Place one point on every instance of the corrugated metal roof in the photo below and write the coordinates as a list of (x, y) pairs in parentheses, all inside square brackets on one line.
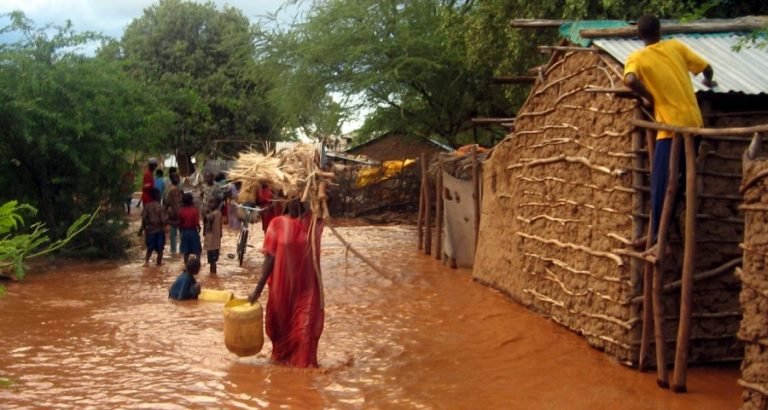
[(744, 71)]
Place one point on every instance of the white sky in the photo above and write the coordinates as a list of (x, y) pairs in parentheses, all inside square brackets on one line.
[(112, 16)]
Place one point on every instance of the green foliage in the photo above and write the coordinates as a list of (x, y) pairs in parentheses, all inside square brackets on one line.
[(68, 123), (202, 61), (16, 246), (404, 61), (424, 66)]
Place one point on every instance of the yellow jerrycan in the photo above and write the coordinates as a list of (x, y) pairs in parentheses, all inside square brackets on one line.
[(243, 327)]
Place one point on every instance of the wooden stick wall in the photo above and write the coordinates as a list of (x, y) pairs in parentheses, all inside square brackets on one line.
[(430, 210)]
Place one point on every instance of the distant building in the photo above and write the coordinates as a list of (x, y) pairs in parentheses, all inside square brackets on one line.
[(397, 146)]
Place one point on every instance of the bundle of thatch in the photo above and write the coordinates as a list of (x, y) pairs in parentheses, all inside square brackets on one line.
[(295, 172)]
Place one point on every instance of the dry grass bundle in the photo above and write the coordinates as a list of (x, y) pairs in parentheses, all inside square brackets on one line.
[(295, 172)]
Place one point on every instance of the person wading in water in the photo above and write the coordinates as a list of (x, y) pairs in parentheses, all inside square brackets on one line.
[(294, 314)]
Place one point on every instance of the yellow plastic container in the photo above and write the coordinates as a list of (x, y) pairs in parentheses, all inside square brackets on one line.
[(243, 327), (213, 295)]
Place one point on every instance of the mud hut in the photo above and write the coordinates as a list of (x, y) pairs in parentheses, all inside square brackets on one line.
[(754, 290), (567, 192), (381, 175), (392, 146)]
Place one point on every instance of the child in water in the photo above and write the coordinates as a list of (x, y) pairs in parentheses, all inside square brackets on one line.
[(212, 231), (186, 287), (153, 224), (189, 225)]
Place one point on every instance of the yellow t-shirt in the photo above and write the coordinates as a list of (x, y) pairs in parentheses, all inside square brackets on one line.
[(663, 69)]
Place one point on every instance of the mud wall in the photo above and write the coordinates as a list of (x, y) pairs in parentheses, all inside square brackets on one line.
[(558, 197), (754, 292), (567, 192)]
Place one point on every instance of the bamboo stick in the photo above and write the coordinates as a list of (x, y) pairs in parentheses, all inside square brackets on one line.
[(661, 247), (689, 260), (475, 195), (420, 223), (439, 210), (427, 215)]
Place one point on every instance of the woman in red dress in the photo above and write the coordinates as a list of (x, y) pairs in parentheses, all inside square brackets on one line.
[(295, 315)]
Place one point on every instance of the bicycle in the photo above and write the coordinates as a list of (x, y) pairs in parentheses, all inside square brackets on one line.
[(242, 238)]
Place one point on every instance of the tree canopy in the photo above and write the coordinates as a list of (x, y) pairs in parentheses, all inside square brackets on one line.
[(202, 60), (68, 123), (425, 66)]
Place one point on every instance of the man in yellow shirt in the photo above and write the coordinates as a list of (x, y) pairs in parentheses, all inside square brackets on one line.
[(659, 74)]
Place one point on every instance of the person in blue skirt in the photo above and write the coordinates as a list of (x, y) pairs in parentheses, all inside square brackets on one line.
[(189, 225)]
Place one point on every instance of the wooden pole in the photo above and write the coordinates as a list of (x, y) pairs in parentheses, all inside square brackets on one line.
[(420, 223), (748, 23), (439, 211), (475, 194), (645, 339), (427, 214), (689, 260), (661, 247), (650, 141), (536, 23), (704, 132)]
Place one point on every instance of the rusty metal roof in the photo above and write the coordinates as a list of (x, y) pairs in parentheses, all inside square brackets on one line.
[(744, 71)]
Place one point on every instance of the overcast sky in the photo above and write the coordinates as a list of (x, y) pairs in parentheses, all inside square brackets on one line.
[(112, 16)]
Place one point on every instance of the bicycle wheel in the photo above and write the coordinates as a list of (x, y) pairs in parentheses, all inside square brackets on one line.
[(242, 242)]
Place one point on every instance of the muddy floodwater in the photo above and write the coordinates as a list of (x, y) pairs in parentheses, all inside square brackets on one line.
[(104, 335)]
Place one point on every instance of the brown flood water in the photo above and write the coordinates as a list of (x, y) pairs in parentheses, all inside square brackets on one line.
[(97, 335)]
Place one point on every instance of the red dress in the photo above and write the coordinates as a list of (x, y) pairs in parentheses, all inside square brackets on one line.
[(295, 315), (147, 183)]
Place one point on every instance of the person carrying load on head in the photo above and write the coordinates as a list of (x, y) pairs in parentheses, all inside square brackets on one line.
[(295, 313), (658, 73)]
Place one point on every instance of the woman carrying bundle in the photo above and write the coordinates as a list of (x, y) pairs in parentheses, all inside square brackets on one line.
[(294, 314)]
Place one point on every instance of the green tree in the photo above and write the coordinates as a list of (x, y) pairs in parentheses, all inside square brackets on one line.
[(67, 124), (202, 61), (403, 60)]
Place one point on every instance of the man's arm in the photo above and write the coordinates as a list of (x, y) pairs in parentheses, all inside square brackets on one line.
[(708, 74), (634, 84)]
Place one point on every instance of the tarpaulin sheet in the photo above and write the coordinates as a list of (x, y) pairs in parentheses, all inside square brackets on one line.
[(388, 169), (458, 220)]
